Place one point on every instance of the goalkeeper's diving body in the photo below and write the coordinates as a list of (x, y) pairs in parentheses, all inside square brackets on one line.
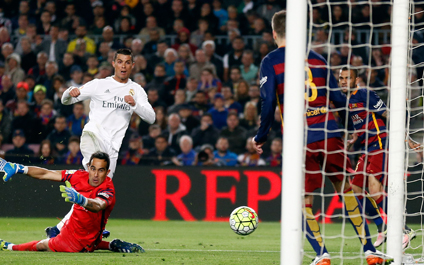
[(113, 100), (368, 113), (93, 196), (325, 148)]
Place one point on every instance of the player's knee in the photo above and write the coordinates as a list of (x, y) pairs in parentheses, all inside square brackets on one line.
[(43, 245)]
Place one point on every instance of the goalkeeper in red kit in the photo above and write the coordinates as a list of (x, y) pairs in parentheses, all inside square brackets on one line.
[(325, 148), (93, 196)]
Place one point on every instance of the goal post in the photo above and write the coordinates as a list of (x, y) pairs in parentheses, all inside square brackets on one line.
[(292, 179)]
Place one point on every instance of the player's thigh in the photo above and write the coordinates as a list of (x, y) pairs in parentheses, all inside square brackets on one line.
[(43, 245), (360, 178), (113, 156), (62, 243), (336, 162), (313, 175), (377, 165)]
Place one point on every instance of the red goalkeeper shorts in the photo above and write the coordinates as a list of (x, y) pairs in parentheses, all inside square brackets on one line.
[(375, 163), (62, 243), (329, 156)]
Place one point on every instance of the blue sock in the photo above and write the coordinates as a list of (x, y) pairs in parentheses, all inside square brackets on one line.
[(312, 231), (372, 210)]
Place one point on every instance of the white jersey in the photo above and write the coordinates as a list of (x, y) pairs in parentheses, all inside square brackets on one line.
[(109, 114)]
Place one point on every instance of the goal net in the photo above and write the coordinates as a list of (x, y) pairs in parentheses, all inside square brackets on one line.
[(358, 35)]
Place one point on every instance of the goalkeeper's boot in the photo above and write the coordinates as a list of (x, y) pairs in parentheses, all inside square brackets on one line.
[(381, 238), (408, 235), (324, 259), (377, 258), (117, 245), (105, 234), (4, 245), (52, 232)]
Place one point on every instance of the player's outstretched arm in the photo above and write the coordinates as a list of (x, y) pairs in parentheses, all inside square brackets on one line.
[(73, 196), (10, 169)]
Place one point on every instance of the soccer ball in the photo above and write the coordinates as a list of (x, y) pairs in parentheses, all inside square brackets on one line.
[(243, 220)]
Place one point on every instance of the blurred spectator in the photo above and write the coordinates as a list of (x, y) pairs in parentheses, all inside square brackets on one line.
[(125, 14), (43, 27), (174, 131), (161, 118), (80, 32), (6, 50), (28, 57), (158, 56), (345, 54), (248, 70), (178, 24), (23, 23), (66, 65), (20, 153), (208, 80), (251, 16), (46, 155), (199, 34), (201, 63), (338, 17), (220, 13), (170, 58), (200, 104), (151, 23), (175, 82), (242, 95), (207, 13), (161, 154), (158, 80), (40, 68), (250, 158), (32, 36), (46, 116), (148, 10), (65, 110), (135, 151), (219, 112), (357, 63), (335, 59), (376, 84), (191, 89), (193, 8), (47, 79), (105, 70), (223, 156), (73, 156), (77, 120), (92, 65), (5, 122), (21, 94), (350, 36), (8, 89), (177, 12), (60, 135), (103, 52), (267, 8), (187, 119), (275, 159), (179, 99), (26, 122), (209, 48), (98, 26), (136, 47), (187, 155), (183, 37), (245, 6), (419, 17), (185, 55), (152, 46), (24, 9), (76, 76), (4, 36), (149, 140), (39, 95), (30, 80), (140, 79), (107, 36), (378, 60), (13, 68), (233, 58), (71, 18), (154, 100), (235, 134), (259, 27), (205, 157), (255, 97), (250, 116), (206, 133), (230, 104)]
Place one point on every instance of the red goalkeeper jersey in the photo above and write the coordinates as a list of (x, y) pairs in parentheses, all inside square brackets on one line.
[(84, 228)]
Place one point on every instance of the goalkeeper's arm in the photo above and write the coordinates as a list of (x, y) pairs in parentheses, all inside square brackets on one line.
[(71, 195), (11, 169)]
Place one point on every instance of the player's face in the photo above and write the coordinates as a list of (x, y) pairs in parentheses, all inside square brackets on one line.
[(97, 172), (346, 80), (123, 66)]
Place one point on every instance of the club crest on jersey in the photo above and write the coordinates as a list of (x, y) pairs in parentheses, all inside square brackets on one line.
[(132, 93)]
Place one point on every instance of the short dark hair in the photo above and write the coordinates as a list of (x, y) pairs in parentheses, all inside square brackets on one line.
[(279, 23), (354, 70), (74, 138), (124, 51), (163, 137), (101, 155)]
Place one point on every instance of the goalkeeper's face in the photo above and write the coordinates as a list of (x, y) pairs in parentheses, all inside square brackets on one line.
[(123, 66), (97, 172)]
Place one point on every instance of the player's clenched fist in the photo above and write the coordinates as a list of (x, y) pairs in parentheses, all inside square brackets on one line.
[(130, 100), (75, 92)]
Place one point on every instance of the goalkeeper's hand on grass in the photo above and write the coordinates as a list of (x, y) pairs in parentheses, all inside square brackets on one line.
[(71, 195), (11, 169)]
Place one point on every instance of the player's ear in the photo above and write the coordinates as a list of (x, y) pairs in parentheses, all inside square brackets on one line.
[(113, 63), (108, 171)]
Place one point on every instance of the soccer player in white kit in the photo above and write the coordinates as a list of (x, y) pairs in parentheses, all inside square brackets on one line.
[(113, 101)]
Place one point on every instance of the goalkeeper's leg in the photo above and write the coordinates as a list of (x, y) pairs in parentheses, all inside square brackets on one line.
[(40, 245)]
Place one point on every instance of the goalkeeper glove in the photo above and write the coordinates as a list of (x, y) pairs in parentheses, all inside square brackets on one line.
[(71, 195), (11, 169)]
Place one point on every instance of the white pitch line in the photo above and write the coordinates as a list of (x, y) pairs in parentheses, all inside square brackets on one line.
[(212, 250)]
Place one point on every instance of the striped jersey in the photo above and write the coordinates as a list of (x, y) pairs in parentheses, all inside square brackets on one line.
[(321, 87), (366, 109)]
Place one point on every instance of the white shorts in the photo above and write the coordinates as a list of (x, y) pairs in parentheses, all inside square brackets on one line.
[(90, 144)]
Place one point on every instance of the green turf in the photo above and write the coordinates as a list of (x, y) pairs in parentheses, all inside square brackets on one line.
[(176, 242)]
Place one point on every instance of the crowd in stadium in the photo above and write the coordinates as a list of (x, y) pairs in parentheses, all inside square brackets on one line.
[(205, 93)]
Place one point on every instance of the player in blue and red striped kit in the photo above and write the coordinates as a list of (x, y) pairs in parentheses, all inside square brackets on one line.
[(325, 149), (368, 113)]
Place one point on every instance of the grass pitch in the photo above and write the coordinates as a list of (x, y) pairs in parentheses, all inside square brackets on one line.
[(178, 242)]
